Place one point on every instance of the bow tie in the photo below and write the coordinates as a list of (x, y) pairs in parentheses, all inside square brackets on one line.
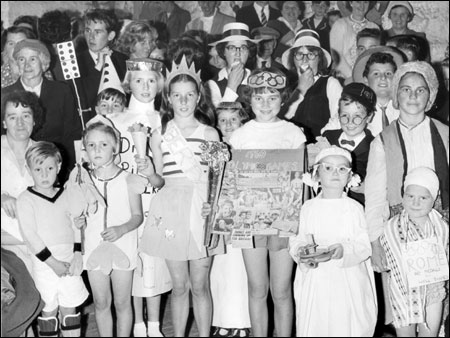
[(350, 143)]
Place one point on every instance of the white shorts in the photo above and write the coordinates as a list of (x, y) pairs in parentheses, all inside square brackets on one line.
[(68, 291)]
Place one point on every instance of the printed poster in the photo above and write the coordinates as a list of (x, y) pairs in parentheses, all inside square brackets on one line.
[(262, 192)]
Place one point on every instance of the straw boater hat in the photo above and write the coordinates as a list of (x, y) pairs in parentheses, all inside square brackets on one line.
[(235, 31), (306, 37), (265, 33), (361, 61)]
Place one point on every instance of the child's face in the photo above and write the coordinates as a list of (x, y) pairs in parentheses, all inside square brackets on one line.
[(266, 106), (228, 121), (109, 106), (366, 43), (184, 98), (379, 79), (240, 55), (413, 94), (97, 36), (44, 174), (142, 49), (100, 147), (313, 64), (333, 173), (144, 85), (353, 119), (417, 201)]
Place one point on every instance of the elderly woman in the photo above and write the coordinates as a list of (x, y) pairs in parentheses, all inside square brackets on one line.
[(288, 24), (62, 125), (10, 37), (21, 115), (414, 140), (235, 48), (343, 36), (316, 96), (137, 40)]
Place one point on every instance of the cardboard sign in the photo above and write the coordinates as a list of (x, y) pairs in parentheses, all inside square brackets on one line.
[(262, 191), (425, 262), (68, 59)]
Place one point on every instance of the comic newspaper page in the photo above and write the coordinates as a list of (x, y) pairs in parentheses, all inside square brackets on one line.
[(262, 193)]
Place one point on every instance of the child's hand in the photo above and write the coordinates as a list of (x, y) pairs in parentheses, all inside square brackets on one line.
[(206, 209), (80, 222), (76, 266), (9, 205), (112, 234), (305, 80), (60, 268), (144, 165), (338, 251), (310, 263)]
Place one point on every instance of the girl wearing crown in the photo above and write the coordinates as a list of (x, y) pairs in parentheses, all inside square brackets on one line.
[(267, 131), (175, 233), (144, 80)]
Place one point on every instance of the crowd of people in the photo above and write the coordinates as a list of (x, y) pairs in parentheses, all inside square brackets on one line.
[(81, 196)]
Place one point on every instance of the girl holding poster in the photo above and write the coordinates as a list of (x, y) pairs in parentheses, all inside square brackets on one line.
[(417, 303), (267, 131)]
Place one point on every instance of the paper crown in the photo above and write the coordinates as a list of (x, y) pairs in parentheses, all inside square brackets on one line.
[(110, 78), (183, 68), (267, 79), (145, 64)]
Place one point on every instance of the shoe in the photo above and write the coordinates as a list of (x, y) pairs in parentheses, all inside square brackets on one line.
[(221, 332), (240, 333)]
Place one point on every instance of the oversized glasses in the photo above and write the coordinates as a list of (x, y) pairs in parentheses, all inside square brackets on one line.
[(234, 49), (330, 168), (357, 120), (310, 56)]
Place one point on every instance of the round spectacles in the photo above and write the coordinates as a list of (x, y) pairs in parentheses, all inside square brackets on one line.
[(357, 120), (330, 168), (300, 56), (234, 49)]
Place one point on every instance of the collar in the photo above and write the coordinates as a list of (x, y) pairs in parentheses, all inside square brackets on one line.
[(49, 199), (258, 8), (208, 18), (105, 50), (421, 123), (296, 29), (223, 74), (356, 139), (36, 89), (259, 60), (138, 106)]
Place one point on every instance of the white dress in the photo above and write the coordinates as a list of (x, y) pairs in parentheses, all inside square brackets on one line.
[(338, 298), (151, 278)]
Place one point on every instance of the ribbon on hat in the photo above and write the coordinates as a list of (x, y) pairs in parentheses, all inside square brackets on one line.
[(267, 79), (233, 32)]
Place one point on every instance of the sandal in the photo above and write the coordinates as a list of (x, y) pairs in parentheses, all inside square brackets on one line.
[(221, 332), (240, 333)]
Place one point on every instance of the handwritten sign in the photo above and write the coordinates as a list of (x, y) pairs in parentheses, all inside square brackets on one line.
[(425, 262)]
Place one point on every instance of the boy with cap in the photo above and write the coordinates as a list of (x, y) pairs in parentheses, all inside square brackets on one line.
[(417, 306), (356, 106)]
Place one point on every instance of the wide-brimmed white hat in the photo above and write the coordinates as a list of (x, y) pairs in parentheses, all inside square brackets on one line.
[(306, 37), (235, 31)]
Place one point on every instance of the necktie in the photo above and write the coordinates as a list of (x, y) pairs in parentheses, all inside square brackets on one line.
[(384, 119), (350, 143), (263, 17)]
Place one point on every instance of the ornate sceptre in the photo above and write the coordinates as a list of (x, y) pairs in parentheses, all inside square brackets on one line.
[(216, 154)]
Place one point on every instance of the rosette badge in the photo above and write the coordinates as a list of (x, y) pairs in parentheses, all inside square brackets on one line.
[(139, 133)]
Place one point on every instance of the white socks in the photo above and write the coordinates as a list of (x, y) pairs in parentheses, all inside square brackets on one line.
[(139, 330), (153, 329)]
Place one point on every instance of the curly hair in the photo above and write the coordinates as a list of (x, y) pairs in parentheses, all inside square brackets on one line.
[(135, 31), (26, 100)]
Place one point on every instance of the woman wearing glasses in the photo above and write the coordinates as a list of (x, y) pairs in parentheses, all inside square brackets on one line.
[(316, 95), (235, 48), (356, 107)]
